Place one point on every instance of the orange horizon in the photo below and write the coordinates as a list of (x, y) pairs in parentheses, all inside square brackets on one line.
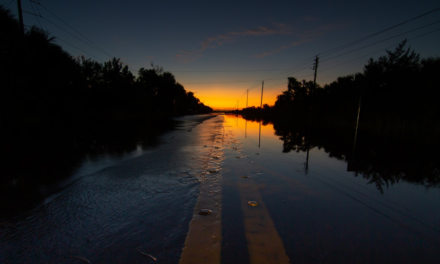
[(226, 98)]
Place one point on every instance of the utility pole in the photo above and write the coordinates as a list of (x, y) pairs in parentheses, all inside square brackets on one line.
[(261, 103), (247, 97), (237, 105), (20, 16), (312, 90), (315, 67)]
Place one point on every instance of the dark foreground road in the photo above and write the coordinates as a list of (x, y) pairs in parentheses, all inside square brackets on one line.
[(147, 207)]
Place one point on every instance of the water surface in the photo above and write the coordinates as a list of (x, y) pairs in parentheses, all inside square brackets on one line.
[(320, 198), (379, 204)]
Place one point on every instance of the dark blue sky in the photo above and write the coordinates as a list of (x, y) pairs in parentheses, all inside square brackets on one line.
[(232, 42)]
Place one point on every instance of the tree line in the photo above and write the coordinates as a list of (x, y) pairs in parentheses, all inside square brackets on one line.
[(397, 93), (40, 82)]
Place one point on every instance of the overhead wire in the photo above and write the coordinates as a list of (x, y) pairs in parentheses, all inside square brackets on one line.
[(376, 33), (57, 38), (223, 82), (406, 32), (91, 55), (232, 70), (295, 67), (395, 36), (9, 4), (74, 35), (38, 9), (36, 14), (339, 48), (379, 50), (88, 42)]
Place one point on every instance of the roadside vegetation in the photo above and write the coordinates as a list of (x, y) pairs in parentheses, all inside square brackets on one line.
[(399, 122), (43, 88), (398, 93)]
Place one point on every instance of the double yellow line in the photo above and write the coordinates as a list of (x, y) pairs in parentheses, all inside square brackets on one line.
[(203, 243)]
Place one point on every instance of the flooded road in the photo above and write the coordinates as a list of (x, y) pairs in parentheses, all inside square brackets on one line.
[(273, 198), (312, 210), (141, 202)]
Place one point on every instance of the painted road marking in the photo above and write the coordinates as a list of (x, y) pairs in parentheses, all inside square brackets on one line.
[(203, 242)]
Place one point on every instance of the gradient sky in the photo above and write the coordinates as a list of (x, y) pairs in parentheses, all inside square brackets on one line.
[(218, 50)]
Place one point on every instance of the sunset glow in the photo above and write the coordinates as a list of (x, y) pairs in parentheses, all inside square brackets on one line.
[(219, 52)]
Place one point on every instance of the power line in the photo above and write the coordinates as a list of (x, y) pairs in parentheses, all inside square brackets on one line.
[(223, 82), (92, 44), (358, 41), (38, 9), (297, 70), (409, 31), (9, 4), (57, 38), (379, 50), (68, 33), (295, 67), (375, 34), (398, 35), (36, 12), (232, 70), (73, 35), (309, 75), (366, 46)]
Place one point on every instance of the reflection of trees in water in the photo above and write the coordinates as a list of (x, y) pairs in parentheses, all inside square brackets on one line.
[(36, 166), (388, 161), (293, 140), (383, 161)]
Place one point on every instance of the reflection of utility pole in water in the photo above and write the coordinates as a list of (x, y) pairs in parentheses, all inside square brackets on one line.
[(245, 130), (351, 164), (357, 123), (306, 164), (259, 135)]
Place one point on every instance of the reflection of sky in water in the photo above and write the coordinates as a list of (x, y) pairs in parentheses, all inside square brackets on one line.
[(350, 205)]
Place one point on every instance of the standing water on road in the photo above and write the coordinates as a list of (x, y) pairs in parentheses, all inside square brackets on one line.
[(276, 192), (320, 203)]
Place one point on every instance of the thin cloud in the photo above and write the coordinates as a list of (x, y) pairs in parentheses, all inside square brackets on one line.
[(213, 42), (309, 18), (293, 44), (185, 56), (276, 29), (304, 37)]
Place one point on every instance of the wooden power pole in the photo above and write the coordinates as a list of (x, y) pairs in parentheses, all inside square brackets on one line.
[(315, 67), (20, 16), (247, 97), (311, 92), (261, 103)]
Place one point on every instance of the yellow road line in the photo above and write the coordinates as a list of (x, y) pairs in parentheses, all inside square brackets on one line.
[(264, 242), (203, 241)]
